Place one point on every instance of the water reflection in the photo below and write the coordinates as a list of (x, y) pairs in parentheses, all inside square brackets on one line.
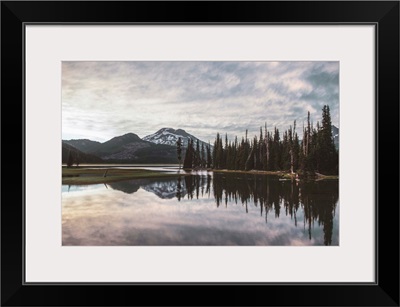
[(317, 199), (256, 210)]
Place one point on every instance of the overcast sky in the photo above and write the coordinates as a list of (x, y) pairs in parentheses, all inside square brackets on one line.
[(101, 100)]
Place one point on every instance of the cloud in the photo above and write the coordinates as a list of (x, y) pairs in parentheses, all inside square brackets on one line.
[(105, 99)]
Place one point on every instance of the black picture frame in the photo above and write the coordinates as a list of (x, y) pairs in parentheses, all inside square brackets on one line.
[(383, 14)]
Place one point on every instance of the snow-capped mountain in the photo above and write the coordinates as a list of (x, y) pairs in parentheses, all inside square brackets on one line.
[(169, 136), (335, 135)]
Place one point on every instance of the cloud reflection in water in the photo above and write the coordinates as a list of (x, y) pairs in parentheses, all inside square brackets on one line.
[(124, 216)]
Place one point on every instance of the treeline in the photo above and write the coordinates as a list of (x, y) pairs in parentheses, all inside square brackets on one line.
[(196, 156), (316, 152)]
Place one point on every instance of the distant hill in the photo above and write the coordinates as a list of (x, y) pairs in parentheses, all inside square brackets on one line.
[(130, 148), (159, 147), (117, 146), (169, 136), (78, 155), (83, 145)]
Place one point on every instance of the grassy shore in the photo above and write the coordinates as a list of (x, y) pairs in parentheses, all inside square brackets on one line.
[(80, 175), (255, 172), (284, 175), (84, 175)]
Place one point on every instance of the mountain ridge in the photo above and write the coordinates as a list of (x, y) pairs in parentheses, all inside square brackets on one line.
[(78, 156), (127, 148), (159, 147), (84, 145)]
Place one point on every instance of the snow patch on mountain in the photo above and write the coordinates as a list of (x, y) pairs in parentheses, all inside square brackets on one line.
[(169, 136)]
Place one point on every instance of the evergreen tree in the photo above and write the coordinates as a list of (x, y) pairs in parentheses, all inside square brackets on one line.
[(261, 151), (277, 150), (327, 150), (246, 152), (296, 152), (292, 147), (316, 151), (267, 148), (313, 149), (179, 151), (307, 159), (235, 162), (215, 149), (316, 146), (197, 157), (203, 156), (209, 157), (225, 156), (285, 151), (241, 155), (70, 159), (249, 165), (220, 155), (77, 159), (228, 155), (188, 161)]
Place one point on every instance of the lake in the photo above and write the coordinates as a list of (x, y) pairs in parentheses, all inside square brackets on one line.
[(204, 209)]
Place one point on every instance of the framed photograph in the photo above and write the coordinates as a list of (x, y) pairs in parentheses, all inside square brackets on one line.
[(247, 147)]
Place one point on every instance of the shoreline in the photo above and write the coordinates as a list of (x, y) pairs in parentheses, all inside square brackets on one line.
[(97, 175), (86, 176), (283, 174)]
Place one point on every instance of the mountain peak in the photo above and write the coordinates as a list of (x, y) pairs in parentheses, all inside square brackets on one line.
[(166, 129), (128, 136), (169, 136), (171, 130)]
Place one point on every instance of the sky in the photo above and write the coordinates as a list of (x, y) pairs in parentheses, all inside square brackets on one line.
[(101, 100)]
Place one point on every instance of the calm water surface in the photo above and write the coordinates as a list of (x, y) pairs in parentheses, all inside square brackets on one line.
[(202, 209)]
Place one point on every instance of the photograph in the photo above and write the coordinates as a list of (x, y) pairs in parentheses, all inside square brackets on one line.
[(241, 146), (200, 153)]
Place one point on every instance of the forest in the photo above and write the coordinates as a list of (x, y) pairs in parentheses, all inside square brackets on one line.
[(270, 151)]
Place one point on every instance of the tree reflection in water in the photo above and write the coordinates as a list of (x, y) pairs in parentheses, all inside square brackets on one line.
[(317, 199)]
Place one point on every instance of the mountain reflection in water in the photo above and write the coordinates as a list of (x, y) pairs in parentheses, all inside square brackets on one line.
[(222, 209)]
